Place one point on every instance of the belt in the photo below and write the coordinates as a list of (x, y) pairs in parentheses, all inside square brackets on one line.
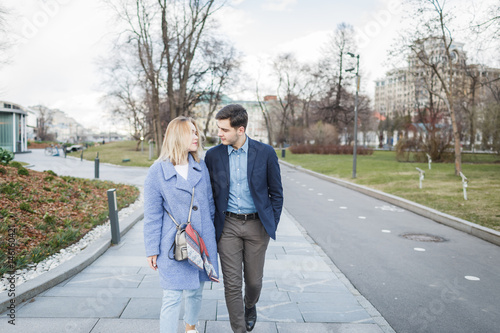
[(245, 217)]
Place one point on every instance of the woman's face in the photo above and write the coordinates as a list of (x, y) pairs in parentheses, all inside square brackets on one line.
[(193, 139)]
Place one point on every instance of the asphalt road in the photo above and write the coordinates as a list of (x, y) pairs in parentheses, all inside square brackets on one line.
[(451, 285)]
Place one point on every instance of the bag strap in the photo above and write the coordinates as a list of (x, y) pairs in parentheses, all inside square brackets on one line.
[(190, 210)]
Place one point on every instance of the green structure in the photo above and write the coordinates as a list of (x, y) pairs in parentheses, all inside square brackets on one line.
[(13, 127)]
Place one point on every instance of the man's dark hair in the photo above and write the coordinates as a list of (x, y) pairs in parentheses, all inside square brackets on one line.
[(236, 114)]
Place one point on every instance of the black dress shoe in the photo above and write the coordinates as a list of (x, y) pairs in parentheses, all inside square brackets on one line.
[(250, 318)]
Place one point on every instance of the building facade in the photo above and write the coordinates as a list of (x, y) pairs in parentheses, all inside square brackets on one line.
[(406, 91), (13, 134)]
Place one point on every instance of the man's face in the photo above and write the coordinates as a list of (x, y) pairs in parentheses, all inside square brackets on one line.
[(228, 134)]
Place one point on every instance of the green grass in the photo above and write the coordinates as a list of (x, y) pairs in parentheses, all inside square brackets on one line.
[(116, 152), (442, 190)]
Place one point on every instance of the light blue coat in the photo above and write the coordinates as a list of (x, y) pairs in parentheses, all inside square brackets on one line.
[(164, 189)]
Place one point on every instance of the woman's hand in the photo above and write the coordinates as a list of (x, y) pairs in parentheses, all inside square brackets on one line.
[(152, 262)]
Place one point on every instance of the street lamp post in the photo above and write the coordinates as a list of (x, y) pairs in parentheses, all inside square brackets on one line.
[(354, 151)]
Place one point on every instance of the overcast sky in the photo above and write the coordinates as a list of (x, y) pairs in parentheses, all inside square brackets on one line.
[(54, 60)]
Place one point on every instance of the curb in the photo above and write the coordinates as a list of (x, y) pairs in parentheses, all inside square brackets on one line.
[(473, 229), (69, 268)]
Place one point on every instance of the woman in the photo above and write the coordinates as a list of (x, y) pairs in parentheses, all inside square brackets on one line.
[(169, 187)]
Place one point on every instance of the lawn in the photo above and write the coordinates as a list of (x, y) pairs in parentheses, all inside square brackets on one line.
[(442, 190), (119, 153)]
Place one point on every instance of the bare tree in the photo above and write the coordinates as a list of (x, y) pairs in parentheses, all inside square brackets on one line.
[(292, 81), (127, 95), (142, 18), (432, 47), (221, 63), (43, 123), (183, 24)]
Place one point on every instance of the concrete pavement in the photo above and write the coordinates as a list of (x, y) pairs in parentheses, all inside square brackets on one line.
[(303, 290)]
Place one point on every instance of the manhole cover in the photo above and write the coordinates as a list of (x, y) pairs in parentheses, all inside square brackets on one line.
[(423, 237)]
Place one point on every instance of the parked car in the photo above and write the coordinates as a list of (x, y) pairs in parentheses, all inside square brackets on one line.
[(74, 148)]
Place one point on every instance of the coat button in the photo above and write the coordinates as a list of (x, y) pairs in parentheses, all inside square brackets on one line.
[(195, 207)]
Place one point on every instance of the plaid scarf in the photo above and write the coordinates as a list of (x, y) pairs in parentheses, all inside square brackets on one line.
[(197, 253)]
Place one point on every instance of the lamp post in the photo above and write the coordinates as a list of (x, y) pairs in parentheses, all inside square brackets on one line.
[(354, 151)]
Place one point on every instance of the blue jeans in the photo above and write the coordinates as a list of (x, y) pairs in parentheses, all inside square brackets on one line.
[(171, 307)]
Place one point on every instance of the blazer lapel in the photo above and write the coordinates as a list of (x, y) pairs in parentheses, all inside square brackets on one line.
[(252, 156), (225, 160)]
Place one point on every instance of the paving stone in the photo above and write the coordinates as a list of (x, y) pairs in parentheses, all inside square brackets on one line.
[(76, 307), (106, 280), (225, 327), (142, 308), (334, 313), (128, 325), (49, 325), (150, 282), (90, 292), (330, 298), (327, 328), (310, 286), (120, 261)]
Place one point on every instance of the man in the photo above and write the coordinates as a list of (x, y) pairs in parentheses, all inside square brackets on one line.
[(248, 196)]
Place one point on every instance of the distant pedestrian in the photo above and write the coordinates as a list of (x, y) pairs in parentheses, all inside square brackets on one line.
[(168, 188), (248, 195)]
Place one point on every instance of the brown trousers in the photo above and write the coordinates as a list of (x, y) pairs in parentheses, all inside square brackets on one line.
[(242, 251)]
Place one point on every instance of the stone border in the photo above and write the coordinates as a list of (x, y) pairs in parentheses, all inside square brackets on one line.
[(473, 229), (69, 268)]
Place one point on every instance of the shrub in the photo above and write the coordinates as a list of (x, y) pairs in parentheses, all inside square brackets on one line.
[(329, 150), (16, 165), (3, 171), (23, 171), (50, 172), (6, 156)]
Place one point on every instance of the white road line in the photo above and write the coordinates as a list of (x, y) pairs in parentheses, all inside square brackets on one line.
[(386, 231), (419, 249), (472, 278)]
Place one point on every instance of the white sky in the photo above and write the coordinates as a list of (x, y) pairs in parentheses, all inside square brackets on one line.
[(54, 60)]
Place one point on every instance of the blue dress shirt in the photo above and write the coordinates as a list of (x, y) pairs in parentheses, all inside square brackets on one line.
[(240, 198)]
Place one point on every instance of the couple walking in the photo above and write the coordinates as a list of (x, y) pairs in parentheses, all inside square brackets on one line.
[(236, 198)]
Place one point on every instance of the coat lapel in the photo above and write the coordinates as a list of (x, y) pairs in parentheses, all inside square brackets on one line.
[(194, 175)]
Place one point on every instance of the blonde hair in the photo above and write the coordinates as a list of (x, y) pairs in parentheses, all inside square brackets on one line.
[(175, 146)]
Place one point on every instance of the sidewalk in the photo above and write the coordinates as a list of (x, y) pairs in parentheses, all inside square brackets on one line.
[(303, 292)]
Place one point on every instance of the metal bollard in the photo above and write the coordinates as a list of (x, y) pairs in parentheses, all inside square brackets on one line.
[(422, 173), (113, 216), (96, 166), (430, 160), (465, 181), (81, 156), (283, 152)]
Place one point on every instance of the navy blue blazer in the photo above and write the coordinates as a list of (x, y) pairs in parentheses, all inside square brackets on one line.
[(264, 181)]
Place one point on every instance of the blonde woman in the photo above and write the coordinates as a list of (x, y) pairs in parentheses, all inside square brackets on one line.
[(168, 188)]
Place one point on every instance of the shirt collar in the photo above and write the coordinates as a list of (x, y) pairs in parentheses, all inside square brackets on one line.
[(244, 148)]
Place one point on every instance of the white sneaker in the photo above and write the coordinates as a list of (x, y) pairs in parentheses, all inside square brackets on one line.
[(192, 331)]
